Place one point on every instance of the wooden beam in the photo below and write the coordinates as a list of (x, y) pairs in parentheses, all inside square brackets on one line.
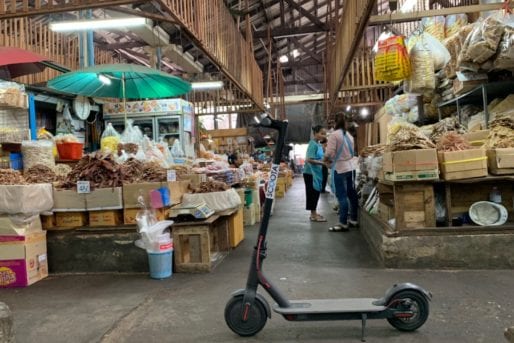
[(307, 14), (348, 37), (282, 32), (154, 16), (413, 16), (304, 48), (66, 7)]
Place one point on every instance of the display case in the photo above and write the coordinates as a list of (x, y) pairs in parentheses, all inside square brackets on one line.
[(165, 120)]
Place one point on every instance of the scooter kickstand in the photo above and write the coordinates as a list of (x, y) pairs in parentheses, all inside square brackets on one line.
[(364, 316)]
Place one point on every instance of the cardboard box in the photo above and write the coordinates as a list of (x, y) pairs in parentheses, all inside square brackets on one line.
[(70, 219), (133, 191), (105, 218), (410, 160), (501, 161), (105, 199), (129, 215), (249, 216), (465, 164), (23, 259), (18, 226), (413, 175), (194, 179), (477, 138), (68, 201)]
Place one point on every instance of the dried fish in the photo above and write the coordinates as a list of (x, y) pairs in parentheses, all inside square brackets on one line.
[(452, 141), (11, 177), (40, 173), (501, 134), (406, 136), (446, 125), (211, 186)]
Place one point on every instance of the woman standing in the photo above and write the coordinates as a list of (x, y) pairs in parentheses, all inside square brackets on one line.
[(313, 174), (340, 152)]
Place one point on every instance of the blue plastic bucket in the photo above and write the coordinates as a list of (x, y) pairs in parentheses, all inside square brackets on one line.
[(160, 264)]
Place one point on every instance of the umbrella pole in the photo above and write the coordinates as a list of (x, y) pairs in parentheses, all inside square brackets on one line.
[(124, 97)]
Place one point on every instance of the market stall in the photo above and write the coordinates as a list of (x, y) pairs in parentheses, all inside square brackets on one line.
[(441, 180)]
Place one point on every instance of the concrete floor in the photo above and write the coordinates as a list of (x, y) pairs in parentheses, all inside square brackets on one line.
[(304, 259)]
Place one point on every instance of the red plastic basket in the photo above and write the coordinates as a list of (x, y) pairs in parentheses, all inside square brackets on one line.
[(70, 151)]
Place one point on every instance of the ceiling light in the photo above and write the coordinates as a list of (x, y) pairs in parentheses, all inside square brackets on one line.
[(364, 112), (96, 24), (283, 59), (207, 85), (348, 107), (295, 53), (104, 79)]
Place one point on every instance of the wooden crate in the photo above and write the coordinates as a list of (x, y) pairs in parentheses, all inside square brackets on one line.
[(105, 218), (70, 220), (414, 205), (236, 228), (200, 246), (47, 222)]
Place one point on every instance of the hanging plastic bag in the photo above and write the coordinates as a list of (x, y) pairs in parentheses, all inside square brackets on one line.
[(383, 36), (423, 75), (434, 26), (392, 60), (110, 140)]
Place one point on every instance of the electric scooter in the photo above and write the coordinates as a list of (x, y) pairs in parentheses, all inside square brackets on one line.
[(405, 305)]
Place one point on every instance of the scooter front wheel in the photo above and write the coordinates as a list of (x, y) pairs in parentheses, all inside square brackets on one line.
[(255, 321), (412, 303)]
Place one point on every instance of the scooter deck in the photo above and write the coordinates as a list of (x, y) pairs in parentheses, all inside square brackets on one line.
[(352, 305)]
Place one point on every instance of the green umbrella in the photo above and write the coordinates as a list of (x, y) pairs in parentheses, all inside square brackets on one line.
[(121, 81)]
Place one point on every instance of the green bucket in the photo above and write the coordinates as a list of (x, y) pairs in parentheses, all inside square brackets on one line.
[(248, 197)]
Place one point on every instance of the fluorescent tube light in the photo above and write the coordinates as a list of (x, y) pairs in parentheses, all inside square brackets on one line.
[(207, 85), (104, 79), (96, 24)]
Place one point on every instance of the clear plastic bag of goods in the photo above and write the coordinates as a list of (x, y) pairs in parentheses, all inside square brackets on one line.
[(422, 77), (110, 140), (132, 134), (383, 36), (454, 23), (435, 26), (505, 58), (455, 44), (153, 153), (483, 41), (38, 152), (439, 54), (392, 60)]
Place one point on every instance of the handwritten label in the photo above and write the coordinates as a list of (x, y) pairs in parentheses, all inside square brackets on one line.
[(83, 187), (172, 175)]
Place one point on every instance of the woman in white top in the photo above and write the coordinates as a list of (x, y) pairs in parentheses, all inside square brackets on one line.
[(340, 152)]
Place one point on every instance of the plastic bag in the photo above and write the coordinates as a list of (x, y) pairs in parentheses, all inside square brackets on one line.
[(110, 140), (392, 60), (434, 26), (505, 59), (483, 41), (383, 36), (454, 23), (423, 74), (176, 149), (454, 45), (38, 152), (131, 134)]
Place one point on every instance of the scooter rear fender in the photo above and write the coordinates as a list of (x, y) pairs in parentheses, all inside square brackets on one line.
[(259, 296), (399, 288)]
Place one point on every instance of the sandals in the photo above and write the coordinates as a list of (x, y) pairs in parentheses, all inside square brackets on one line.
[(319, 219), (338, 228)]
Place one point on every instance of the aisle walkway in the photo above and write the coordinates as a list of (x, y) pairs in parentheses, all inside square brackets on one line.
[(305, 260)]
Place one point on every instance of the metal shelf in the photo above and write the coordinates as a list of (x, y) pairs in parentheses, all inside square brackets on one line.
[(480, 96)]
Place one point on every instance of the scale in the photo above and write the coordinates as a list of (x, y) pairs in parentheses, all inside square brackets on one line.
[(197, 209)]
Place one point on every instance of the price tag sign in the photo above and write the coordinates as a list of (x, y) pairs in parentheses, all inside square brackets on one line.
[(83, 187), (172, 175)]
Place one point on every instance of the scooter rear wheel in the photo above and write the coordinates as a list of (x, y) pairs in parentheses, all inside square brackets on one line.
[(256, 320), (418, 305)]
